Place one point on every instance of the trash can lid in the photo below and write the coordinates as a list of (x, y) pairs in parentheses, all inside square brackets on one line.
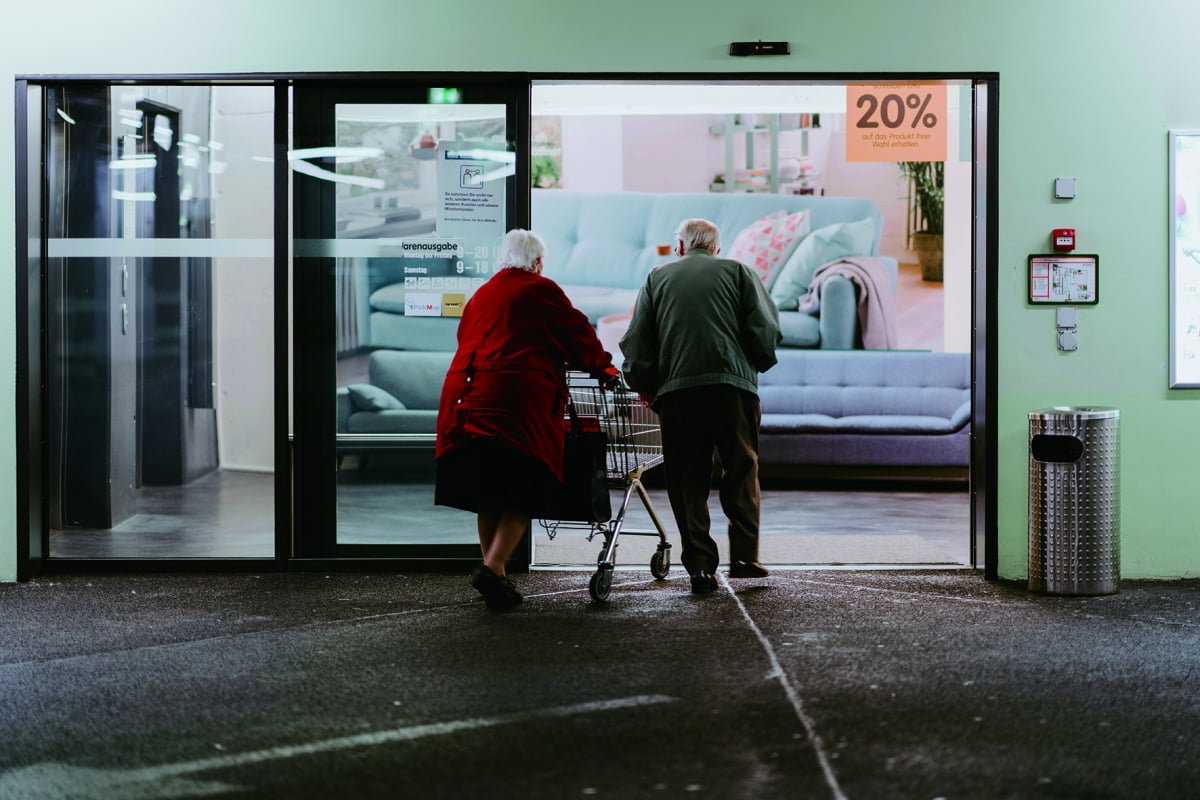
[(1078, 412)]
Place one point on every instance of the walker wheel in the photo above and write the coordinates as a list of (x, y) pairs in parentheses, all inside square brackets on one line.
[(660, 564), (600, 585)]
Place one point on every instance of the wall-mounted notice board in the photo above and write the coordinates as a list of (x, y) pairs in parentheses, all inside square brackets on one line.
[(1184, 214), (1062, 279)]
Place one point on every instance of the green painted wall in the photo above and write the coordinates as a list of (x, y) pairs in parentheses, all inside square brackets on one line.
[(1089, 89)]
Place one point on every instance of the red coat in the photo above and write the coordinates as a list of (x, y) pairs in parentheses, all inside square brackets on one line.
[(518, 334)]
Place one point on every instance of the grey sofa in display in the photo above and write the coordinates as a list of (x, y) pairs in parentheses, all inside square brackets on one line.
[(401, 396), (859, 408), (600, 246)]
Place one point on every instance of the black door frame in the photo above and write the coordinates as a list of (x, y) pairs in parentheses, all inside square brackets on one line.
[(33, 533), (315, 529), (985, 338), (32, 525)]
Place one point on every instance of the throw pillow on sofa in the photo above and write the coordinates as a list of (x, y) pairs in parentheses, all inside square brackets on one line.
[(840, 240), (366, 397), (765, 244)]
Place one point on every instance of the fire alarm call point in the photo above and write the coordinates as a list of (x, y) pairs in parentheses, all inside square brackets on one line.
[(1063, 238)]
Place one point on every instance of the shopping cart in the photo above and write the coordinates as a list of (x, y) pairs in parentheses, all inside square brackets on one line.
[(633, 445)]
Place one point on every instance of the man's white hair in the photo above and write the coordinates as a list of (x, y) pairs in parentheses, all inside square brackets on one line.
[(520, 249), (701, 233)]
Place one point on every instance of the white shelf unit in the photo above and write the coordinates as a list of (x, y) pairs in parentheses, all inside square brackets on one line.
[(771, 130)]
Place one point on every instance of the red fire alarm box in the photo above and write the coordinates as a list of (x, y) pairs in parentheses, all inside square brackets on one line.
[(1063, 239)]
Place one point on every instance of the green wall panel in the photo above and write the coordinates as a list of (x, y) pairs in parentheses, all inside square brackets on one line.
[(1089, 89)]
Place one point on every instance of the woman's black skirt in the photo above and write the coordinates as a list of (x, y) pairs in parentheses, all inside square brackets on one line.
[(487, 477)]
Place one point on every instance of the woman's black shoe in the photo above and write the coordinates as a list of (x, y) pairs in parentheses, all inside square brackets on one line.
[(498, 592)]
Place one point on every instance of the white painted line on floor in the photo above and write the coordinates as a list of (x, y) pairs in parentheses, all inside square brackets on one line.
[(793, 696), (55, 781)]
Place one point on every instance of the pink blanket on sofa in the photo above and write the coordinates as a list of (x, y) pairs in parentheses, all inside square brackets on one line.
[(876, 310)]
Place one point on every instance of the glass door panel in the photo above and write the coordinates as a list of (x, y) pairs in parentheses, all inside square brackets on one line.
[(159, 321), (401, 206)]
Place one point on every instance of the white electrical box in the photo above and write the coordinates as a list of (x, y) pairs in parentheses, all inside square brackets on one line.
[(1068, 337)]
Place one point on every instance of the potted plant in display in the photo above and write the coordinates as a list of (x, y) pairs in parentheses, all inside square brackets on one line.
[(925, 219)]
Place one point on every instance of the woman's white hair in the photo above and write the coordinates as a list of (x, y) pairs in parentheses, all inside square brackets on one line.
[(520, 249), (699, 233)]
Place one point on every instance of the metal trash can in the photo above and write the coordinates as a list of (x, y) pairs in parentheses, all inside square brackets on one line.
[(1074, 500)]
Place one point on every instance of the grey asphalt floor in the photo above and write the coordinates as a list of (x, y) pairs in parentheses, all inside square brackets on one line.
[(805, 684)]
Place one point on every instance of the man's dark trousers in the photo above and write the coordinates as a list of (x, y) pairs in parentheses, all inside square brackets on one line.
[(694, 422)]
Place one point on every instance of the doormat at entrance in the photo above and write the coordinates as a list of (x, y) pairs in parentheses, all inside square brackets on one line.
[(571, 549)]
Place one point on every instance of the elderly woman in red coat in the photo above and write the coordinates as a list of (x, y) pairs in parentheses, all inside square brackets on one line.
[(500, 422)]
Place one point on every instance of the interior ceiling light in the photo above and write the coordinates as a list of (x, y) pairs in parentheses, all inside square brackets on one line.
[(342, 155), (131, 117), (305, 168), (138, 161)]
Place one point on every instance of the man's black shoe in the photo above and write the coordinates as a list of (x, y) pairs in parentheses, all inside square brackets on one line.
[(747, 569), (704, 583)]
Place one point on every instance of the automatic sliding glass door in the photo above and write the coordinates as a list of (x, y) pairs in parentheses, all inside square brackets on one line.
[(402, 196), (158, 321)]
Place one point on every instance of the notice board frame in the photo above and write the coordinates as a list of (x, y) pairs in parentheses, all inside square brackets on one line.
[(1183, 215), (1040, 286)]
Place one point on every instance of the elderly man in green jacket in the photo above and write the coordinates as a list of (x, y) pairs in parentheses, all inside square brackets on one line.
[(702, 330)]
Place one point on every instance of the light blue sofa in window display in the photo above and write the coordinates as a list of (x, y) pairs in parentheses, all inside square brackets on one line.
[(600, 246)]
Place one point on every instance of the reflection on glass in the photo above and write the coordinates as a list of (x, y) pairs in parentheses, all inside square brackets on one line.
[(425, 185), (160, 317)]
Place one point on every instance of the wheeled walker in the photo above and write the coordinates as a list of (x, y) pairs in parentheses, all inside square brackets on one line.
[(633, 445)]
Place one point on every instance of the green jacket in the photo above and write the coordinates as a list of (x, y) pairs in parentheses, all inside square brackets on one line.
[(699, 321)]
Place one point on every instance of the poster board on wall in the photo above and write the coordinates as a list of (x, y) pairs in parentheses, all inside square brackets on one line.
[(1184, 215), (1064, 279)]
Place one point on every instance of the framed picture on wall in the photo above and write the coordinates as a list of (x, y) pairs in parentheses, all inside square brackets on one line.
[(1184, 194)]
